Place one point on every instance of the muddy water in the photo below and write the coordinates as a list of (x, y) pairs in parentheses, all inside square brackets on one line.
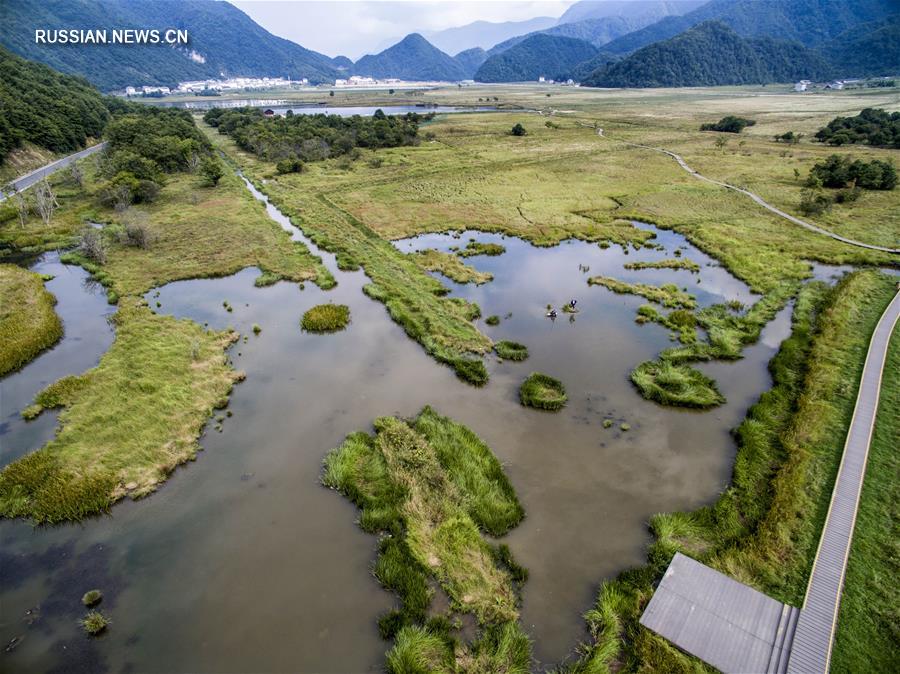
[(243, 562)]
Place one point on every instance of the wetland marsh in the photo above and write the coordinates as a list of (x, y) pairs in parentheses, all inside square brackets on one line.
[(260, 566)]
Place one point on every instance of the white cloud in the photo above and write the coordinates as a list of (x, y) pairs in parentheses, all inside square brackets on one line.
[(357, 27)]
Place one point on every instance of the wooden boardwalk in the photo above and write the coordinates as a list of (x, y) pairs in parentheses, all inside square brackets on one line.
[(818, 619), (738, 629)]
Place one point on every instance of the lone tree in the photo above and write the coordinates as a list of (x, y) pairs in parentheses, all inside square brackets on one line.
[(212, 170), (518, 130), (45, 201)]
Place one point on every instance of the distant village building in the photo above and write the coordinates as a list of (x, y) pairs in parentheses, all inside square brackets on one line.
[(541, 79), (165, 91), (130, 91), (837, 85), (802, 85)]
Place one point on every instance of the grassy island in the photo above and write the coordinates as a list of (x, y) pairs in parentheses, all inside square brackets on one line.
[(543, 392), (433, 489), (326, 318)]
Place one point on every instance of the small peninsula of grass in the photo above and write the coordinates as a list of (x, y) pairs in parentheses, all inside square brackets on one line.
[(765, 527), (450, 266), (120, 433), (676, 384), (543, 392), (511, 350), (474, 248), (668, 295), (672, 263), (326, 318), (28, 320), (433, 489)]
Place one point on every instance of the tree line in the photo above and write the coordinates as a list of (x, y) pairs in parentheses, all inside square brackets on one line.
[(313, 137)]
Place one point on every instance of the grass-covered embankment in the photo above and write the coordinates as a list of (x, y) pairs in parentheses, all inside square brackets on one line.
[(508, 350), (450, 266), (127, 423), (764, 529), (28, 320), (867, 637), (434, 489)]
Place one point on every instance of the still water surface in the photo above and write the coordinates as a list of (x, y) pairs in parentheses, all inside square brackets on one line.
[(242, 561)]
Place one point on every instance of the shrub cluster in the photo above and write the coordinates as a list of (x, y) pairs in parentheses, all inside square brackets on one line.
[(872, 126), (312, 137), (841, 171), (729, 124)]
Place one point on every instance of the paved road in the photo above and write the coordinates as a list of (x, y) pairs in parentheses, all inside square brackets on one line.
[(758, 199), (814, 636), (22, 183)]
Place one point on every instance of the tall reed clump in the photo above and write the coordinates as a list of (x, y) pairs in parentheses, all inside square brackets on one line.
[(326, 318), (434, 491), (542, 392), (764, 529)]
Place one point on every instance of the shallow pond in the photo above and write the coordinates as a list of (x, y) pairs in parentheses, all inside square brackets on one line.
[(242, 561)]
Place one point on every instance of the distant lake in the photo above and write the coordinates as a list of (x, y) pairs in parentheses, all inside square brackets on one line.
[(282, 106)]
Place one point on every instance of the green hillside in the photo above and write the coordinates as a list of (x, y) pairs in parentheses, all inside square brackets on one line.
[(539, 55), (868, 50), (413, 58), (809, 22), (711, 54), (54, 111), (222, 40)]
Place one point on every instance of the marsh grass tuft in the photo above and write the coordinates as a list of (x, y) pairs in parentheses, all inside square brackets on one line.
[(92, 597), (94, 623), (492, 320), (542, 392), (511, 350), (326, 318)]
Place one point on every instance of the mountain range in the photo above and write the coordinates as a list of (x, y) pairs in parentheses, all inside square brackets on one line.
[(630, 43), (223, 41), (712, 54)]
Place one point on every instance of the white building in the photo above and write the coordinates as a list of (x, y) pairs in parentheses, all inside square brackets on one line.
[(130, 91), (802, 85)]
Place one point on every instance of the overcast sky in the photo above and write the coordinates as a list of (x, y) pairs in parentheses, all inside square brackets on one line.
[(354, 28)]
